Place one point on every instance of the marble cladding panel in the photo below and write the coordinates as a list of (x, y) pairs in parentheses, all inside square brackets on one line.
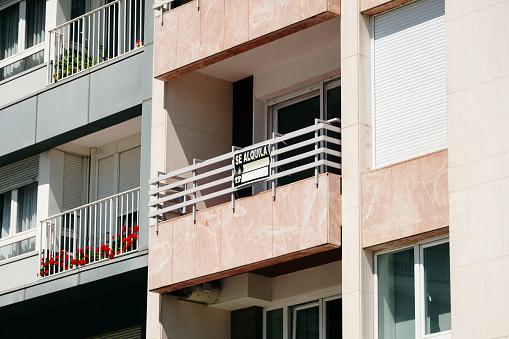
[(190, 39), (160, 256), (236, 23), (372, 7), (301, 218), (406, 199)]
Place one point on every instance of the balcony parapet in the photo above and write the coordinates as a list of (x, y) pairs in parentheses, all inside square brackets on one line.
[(188, 39), (90, 233), (290, 220), (94, 38)]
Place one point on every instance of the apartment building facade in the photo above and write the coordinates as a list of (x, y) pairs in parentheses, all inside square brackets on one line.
[(368, 197), (254, 169), (75, 108)]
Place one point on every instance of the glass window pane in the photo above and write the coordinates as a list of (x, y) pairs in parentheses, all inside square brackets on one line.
[(27, 207), (306, 323), (17, 248), (274, 328), (333, 110), (35, 22), (9, 19), (437, 288), (333, 320), (5, 214), (396, 295)]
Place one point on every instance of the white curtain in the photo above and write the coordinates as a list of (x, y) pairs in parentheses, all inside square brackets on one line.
[(9, 19), (27, 207), (5, 214), (36, 13)]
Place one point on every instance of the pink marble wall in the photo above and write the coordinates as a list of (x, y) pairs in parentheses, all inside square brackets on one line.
[(372, 7), (302, 220), (190, 39), (405, 200)]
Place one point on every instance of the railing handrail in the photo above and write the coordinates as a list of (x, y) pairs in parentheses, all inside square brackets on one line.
[(89, 204), (321, 142), (83, 16)]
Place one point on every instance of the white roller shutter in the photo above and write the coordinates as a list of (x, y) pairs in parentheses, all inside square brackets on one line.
[(16, 174), (129, 169), (105, 177), (410, 103), (73, 181)]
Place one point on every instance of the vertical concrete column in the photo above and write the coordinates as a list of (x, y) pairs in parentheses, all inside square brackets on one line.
[(357, 289)]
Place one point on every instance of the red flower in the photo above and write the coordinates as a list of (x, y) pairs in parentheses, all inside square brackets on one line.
[(46, 272), (123, 229), (136, 228), (83, 262), (44, 265), (131, 235), (129, 243), (87, 247), (74, 261), (136, 237), (51, 261), (119, 235), (118, 252), (86, 256), (112, 255)]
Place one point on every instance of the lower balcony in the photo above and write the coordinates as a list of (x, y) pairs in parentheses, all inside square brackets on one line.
[(296, 212), (99, 231)]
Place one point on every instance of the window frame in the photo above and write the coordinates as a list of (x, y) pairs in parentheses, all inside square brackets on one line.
[(14, 236), (302, 303), (22, 51), (418, 248)]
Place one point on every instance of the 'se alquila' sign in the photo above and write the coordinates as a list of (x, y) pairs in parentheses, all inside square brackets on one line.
[(251, 164)]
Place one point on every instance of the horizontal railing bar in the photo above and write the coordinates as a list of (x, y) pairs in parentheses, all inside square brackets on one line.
[(229, 167), (84, 15), (90, 204), (305, 167), (322, 138), (191, 202), (305, 155), (190, 168), (189, 191), (305, 130)]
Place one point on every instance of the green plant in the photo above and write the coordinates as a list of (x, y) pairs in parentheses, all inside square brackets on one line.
[(71, 63)]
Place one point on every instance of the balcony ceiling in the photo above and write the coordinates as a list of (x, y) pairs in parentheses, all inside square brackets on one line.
[(276, 53)]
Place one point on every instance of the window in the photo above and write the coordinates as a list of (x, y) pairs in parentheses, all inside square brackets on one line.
[(18, 215), (21, 36), (316, 319), (413, 296)]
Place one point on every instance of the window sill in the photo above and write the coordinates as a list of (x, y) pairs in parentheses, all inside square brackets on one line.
[(18, 258), (18, 237), (18, 56)]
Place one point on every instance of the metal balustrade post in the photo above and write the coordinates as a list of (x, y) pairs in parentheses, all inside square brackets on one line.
[(194, 193), (316, 155), (273, 170)]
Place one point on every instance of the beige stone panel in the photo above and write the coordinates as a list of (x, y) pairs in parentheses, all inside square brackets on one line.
[(172, 99), (484, 222), (334, 210), (468, 301), (286, 13), (367, 314), (368, 270), (158, 150), (236, 25), (350, 168), (497, 297), (504, 112), (505, 214), (219, 111), (463, 55), (457, 8), (188, 31), (212, 27), (479, 172), (158, 111), (365, 97), (153, 325), (349, 91), (334, 6), (350, 14), (351, 251), (261, 17), (179, 147), (351, 318), (494, 30), (458, 228)]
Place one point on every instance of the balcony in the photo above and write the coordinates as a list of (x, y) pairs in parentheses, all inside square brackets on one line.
[(92, 233), (205, 32), (205, 232), (94, 38)]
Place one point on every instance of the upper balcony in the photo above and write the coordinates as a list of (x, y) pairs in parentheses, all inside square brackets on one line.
[(205, 232), (202, 33)]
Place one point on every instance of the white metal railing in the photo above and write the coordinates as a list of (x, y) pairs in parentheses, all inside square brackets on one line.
[(95, 37), (164, 5), (94, 232), (314, 147)]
